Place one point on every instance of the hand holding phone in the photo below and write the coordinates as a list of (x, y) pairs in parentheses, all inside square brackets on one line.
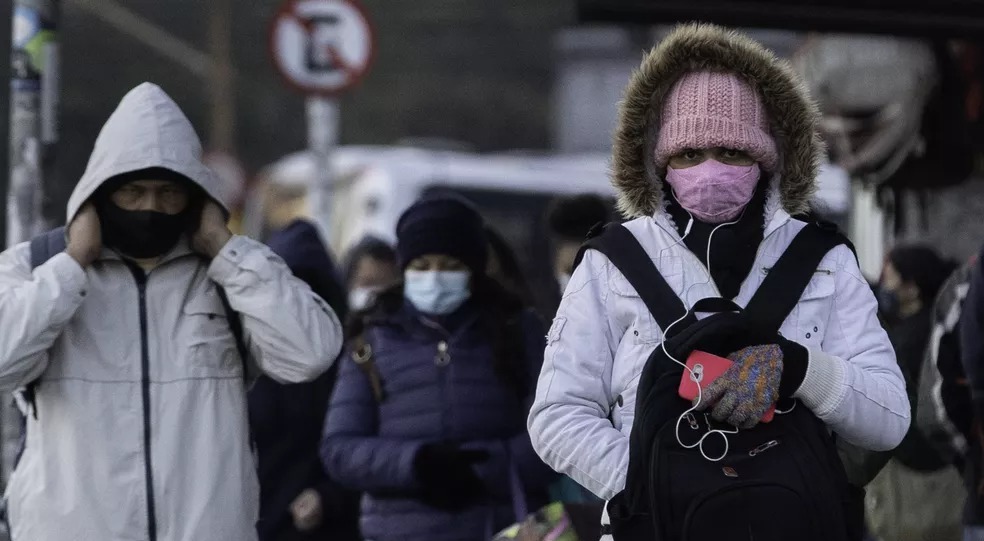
[(702, 369)]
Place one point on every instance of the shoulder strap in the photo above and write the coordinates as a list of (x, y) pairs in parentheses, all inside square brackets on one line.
[(43, 247), (787, 280), (47, 245), (621, 248), (236, 326), (363, 357)]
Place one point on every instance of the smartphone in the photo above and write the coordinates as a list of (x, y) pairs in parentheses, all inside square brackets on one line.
[(704, 368)]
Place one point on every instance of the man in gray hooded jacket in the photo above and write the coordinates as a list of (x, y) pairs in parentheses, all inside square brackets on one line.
[(138, 426)]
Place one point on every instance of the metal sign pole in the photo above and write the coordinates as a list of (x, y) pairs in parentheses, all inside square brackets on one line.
[(33, 135), (322, 126), (33, 115), (322, 48)]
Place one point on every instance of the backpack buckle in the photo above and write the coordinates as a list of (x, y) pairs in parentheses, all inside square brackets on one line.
[(363, 354)]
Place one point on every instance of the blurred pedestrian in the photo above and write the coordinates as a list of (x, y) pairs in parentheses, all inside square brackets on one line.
[(298, 501), (504, 266), (133, 346), (570, 219), (716, 150), (428, 417), (918, 494), (971, 332), (945, 411), (291, 233), (371, 267)]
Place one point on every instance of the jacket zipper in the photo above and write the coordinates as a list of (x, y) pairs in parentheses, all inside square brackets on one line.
[(141, 278), (442, 359)]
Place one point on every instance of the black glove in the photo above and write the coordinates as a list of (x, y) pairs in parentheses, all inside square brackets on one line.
[(446, 477), (719, 334)]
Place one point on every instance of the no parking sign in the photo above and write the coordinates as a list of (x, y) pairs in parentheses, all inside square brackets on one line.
[(322, 47)]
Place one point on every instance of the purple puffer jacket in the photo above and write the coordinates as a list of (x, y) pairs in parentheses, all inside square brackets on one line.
[(370, 446)]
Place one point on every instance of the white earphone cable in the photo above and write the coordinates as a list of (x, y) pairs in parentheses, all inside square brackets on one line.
[(697, 379)]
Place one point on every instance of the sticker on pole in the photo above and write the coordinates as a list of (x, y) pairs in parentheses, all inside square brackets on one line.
[(322, 47)]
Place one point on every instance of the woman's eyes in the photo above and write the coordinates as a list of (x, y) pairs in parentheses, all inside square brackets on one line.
[(731, 154)]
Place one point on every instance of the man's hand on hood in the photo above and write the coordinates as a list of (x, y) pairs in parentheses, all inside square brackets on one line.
[(85, 236), (213, 231)]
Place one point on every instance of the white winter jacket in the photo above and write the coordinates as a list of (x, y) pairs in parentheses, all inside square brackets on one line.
[(603, 333), (139, 429)]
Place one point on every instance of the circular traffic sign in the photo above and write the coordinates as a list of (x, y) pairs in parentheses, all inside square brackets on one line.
[(322, 47)]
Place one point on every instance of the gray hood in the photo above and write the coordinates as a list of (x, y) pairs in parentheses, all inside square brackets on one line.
[(147, 129)]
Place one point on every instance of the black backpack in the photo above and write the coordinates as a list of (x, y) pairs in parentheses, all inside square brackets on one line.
[(781, 480)]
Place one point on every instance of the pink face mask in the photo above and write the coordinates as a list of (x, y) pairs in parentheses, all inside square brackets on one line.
[(712, 191)]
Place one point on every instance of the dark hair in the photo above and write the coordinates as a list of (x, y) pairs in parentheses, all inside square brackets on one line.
[(922, 266), (571, 218), (501, 318), (514, 278), (371, 247)]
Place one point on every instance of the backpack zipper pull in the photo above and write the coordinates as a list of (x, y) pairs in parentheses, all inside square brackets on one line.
[(763, 448)]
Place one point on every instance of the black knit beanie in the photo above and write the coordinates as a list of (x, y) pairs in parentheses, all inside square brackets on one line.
[(442, 225)]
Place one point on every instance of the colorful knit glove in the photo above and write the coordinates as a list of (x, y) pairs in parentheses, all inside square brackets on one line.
[(746, 391)]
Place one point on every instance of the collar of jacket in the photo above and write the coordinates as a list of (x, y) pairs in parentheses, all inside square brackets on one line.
[(411, 320)]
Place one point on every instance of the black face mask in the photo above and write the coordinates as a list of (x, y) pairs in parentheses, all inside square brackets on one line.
[(141, 234)]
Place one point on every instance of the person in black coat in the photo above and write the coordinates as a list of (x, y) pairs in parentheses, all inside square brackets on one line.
[(298, 501), (911, 278)]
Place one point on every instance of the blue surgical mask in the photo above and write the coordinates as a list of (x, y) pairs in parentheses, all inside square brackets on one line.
[(437, 292)]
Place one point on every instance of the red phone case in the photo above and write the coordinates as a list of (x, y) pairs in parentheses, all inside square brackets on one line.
[(710, 367)]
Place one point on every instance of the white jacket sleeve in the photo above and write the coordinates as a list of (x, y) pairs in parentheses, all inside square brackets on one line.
[(853, 382), (34, 309), (568, 423), (293, 335)]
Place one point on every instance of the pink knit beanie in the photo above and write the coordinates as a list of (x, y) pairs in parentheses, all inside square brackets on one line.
[(707, 109)]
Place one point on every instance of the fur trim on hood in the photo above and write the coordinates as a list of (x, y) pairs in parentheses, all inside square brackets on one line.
[(793, 117)]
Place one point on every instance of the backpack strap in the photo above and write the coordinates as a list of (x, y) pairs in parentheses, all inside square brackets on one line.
[(364, 358), (782, 289), (620, 246), (47, 245), (236, 326), (43, 247)]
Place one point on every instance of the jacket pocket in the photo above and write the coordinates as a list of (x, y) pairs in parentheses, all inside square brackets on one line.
[(813, 310), (208, 337), (641, 327)]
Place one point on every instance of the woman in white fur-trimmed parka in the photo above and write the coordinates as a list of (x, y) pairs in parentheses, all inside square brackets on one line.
[(713, 130)]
